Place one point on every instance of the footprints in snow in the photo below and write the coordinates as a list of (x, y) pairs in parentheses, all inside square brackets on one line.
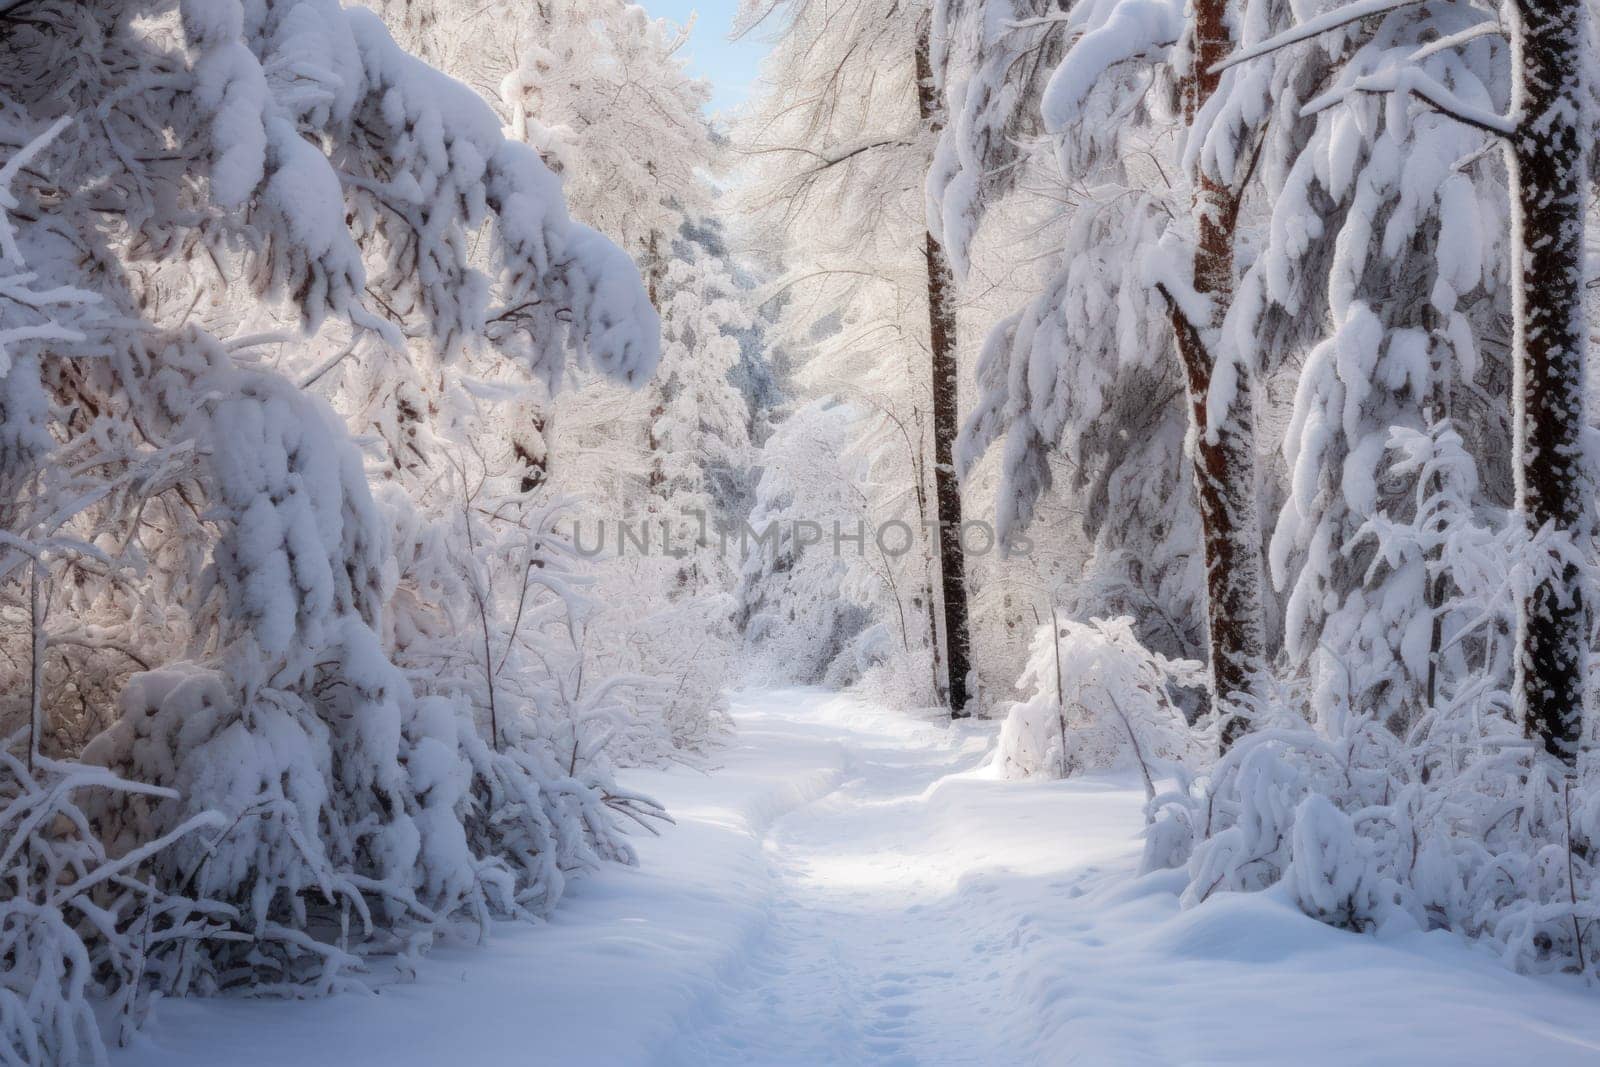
[(868, 961)]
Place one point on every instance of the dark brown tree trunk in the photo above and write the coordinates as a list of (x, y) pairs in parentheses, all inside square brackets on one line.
[(1437, 586), (1548, 189), (937, 657), (946, 417), (1224, 454), (929, 565)]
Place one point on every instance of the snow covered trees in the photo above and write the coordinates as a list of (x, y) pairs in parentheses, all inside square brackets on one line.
[(1374, 221), (1445, 592), (602, 93), (1316, 197), (839, 150), (1221, 393), (946, 415), (668, 607), (596, 92), (1100, 114), (212, 209), (291, 558), (1540, 123)]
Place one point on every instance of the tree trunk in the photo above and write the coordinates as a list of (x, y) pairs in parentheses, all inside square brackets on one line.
[(1547, 188), (1225, 484), (653, 265), (929, 565), (946, 417), (1436, 583), (1224, 454)]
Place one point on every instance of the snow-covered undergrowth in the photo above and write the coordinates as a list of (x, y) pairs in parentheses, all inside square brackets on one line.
[(75, 915), (663, 938), (1414, 813), (855, 885), (1428, 809), (293, 662), (1097, 699)]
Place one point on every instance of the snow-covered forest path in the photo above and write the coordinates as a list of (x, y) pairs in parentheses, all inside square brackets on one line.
[(882, 947), (851, 886)]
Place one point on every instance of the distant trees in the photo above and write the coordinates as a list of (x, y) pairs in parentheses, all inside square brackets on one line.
[(808, 614), (602, 93), (839, 146)]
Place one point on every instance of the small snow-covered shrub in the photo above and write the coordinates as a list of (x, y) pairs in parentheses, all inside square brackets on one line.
[(1460, 826), (877, 665), (794, 604), (1334, 876), (1096, 698), (76, 918)]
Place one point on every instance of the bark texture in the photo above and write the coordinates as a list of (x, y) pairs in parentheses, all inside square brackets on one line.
[(946, 418), (1224, 453), (1548, 188)]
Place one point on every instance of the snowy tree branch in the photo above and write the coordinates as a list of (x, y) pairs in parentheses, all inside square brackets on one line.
[(1323, 23), (1424, 87)]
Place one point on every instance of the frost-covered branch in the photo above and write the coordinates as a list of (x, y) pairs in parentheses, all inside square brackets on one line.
[(1333, 19), (1424, 87)]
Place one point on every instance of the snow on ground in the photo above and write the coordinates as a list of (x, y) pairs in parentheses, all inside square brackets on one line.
[(854, 886)]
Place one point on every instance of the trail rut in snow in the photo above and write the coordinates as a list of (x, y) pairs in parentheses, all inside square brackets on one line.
[(878, 938)]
